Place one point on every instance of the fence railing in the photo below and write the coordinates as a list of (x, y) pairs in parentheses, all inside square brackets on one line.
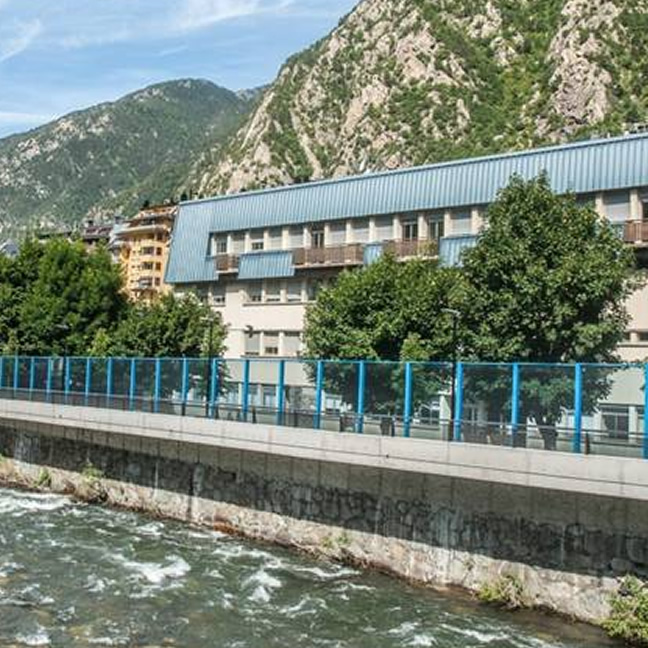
[(582, 408)]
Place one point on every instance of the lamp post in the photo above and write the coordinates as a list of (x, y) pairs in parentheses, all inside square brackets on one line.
[(455, 314)]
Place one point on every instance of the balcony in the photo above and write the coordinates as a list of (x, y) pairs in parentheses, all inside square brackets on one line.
[(406, 249), (336, 255), (226, 263), (636, 232)]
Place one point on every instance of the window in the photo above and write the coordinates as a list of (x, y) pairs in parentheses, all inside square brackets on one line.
[(461, 223), (337, 234), (294, 291), (296, 237), (273, 292), (361, 231), (147, 266), (616, 421), (410, 230), (218, 245), (275, 239), (317, 237), (218, 297), (436, 227), (269, 396), (586, 200), (255, 294), (256, 241), (158, 251), (253, 344), (238, 243), (157, 281), (643, 336), (271, 344), (158, 266), (617, 206), (313, 289), (292, 344), (384, 228), (147, 251)]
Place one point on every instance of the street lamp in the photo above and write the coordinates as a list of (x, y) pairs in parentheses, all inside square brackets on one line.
[(455, 314)]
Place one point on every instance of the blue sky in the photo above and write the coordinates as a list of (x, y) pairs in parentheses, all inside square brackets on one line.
[(57, 56)]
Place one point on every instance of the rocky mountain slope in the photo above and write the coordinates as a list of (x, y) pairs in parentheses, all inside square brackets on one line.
[(403, 82), (112, 157)]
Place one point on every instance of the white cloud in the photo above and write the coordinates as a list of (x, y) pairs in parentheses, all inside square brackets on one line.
[(22, 37)]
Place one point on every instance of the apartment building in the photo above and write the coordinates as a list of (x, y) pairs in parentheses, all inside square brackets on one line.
[(142, 246), (261, 257)]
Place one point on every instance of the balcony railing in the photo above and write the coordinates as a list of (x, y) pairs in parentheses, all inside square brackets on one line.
[(636, 232), (404, 249), (351, 254), (226, 263), (338, 255)]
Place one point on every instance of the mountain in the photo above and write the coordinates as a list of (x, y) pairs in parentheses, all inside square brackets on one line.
[(407, 82), (112, 157)]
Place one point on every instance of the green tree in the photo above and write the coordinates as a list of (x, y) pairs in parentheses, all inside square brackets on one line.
[(547, 283), (169, 327), (387, 311), (72, 294)]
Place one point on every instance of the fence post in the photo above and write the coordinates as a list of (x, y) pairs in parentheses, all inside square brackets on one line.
[(515, 402), (157, 385), (245, 405), (48, 379), (132, 381), (458, 416), (214, 387), (66, 378), (32, 376), (281, 389), (16, 374), (109, 380), (88, 379), (407, 407), (319, 394), (362, 379), (185, 385), (578, 408), (645, 422)]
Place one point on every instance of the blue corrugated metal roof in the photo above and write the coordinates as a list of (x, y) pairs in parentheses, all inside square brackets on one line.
[(581, 167), (266, 265), (451, 247)]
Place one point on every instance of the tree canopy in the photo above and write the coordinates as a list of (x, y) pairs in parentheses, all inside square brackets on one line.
[(59, 298), (547, 281)]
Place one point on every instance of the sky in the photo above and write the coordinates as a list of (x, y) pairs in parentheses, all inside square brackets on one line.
[(57, 56)]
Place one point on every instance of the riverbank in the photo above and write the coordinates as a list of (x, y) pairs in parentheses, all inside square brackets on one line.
[(77, 575), (559, 551)]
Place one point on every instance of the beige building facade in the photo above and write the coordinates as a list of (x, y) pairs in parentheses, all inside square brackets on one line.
[(259, 258), (142, 247)]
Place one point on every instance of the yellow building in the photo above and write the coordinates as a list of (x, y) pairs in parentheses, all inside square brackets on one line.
[(143, 244)]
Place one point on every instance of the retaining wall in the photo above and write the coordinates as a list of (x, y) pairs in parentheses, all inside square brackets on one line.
[(566, 527)]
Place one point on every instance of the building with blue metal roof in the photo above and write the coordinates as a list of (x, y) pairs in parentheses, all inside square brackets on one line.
[(260, 256)]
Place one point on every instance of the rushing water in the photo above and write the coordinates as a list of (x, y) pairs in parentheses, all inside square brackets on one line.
[(74, 575)]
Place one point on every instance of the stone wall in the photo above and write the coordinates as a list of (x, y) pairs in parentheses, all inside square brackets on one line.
[(567, 551)]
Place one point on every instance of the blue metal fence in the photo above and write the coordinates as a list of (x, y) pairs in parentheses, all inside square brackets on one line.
[(582, 408)]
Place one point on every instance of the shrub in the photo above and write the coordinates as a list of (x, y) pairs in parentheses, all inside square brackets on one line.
[(506, 591), (628, 619)]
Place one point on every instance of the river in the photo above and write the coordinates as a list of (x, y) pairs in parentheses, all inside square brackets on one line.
[(76, 575)]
